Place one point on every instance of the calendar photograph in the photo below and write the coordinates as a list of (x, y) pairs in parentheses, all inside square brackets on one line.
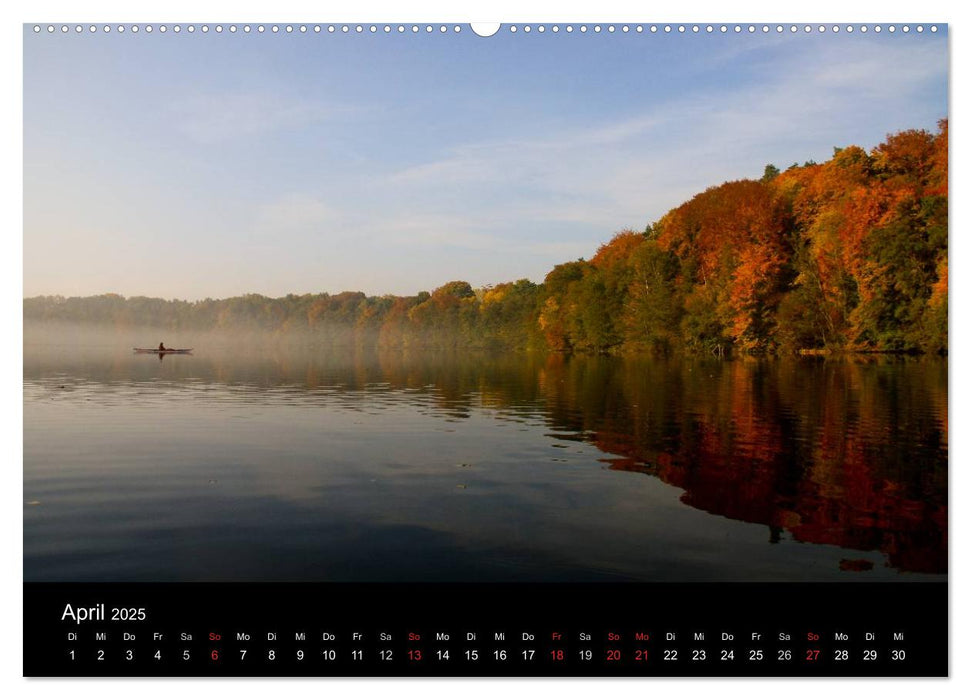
[(523, 305)]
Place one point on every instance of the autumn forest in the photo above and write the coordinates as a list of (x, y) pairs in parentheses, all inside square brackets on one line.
[(849, 255)]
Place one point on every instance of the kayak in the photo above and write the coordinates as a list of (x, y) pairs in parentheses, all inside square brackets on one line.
[(167, 351)]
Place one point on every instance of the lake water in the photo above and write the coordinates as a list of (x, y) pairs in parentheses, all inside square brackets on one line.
[(287, 465)]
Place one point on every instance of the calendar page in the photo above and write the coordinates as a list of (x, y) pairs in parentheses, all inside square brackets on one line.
[(521, 349)]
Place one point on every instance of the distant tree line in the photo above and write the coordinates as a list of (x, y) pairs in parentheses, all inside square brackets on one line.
[(846, 255)]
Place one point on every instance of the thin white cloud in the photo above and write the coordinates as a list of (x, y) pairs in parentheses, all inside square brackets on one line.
[(296, 212), (215, 118), (879, 69), (433, 230)]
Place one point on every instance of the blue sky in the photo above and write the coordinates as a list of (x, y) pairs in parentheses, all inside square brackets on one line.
[(212, 165)]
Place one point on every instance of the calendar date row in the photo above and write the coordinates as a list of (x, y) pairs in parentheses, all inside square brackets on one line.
[(474, 655)]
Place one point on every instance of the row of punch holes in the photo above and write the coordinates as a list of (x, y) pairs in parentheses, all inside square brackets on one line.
[(444, 29)]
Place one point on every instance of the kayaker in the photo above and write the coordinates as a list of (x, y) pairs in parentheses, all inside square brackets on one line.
[(161, 347)]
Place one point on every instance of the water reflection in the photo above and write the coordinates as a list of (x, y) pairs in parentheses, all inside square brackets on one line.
[(291, 465), (850, 453)]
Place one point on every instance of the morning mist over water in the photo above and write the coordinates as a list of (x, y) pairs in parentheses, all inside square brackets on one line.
[(262, 460)]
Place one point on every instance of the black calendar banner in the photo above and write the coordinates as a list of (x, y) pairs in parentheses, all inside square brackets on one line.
[(338, 629)]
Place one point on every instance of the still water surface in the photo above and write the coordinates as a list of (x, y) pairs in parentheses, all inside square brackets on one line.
[(284, 465)]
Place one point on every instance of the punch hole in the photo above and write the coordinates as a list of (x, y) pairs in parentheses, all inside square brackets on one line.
[(36, 29), (121, 28), (934, 28)]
